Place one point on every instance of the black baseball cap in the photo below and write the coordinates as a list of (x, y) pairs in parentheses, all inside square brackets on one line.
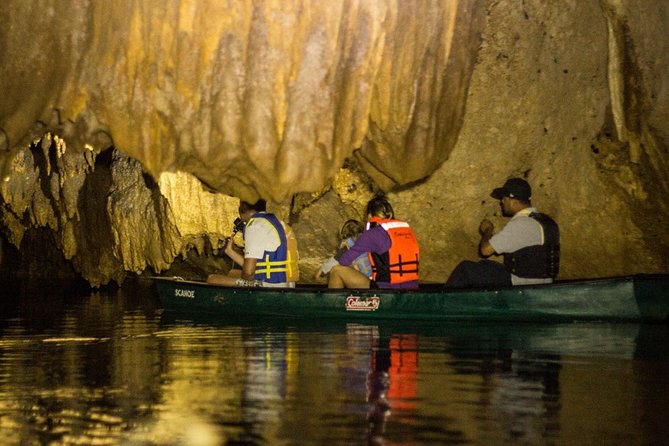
[(513, 188)]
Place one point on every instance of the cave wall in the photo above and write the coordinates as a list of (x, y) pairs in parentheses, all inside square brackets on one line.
[(571, 95), (435, 103)]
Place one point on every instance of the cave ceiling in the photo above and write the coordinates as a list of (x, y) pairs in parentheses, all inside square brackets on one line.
[(254, 98)]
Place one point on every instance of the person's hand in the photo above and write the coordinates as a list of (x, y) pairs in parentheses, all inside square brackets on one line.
[(319, 274), (486, 228), (220, 246)]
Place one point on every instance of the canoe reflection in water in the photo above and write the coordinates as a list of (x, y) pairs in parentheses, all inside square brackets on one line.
[(520, 389)]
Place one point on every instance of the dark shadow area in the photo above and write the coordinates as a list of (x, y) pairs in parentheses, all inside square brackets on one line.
[(38, 257)]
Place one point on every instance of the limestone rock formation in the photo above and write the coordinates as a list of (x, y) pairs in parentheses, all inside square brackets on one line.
[(126, 130), (254, 98)]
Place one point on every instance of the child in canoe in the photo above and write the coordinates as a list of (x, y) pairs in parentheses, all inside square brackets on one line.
[(348, 234)]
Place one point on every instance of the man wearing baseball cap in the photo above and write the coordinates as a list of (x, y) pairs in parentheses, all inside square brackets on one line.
[(529, 243)]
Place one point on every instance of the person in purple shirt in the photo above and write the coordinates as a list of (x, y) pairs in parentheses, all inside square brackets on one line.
[(384, 238)]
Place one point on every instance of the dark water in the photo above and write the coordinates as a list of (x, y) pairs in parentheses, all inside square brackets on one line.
[(82, 367)]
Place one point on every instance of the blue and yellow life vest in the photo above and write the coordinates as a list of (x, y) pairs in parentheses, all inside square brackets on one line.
[(281, 265)]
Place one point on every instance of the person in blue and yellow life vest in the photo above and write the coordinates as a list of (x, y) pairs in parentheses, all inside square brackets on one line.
[(270, 251), (392, 248)]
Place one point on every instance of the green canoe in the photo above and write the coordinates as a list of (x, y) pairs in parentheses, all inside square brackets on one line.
[(640, 298)]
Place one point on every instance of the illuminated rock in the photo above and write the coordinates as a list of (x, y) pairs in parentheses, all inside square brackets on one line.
[(317, 105), (254, 98)]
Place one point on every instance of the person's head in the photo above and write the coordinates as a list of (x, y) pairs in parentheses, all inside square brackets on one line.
[(246, 209), (514, 195), (379, 207), (351, 229)]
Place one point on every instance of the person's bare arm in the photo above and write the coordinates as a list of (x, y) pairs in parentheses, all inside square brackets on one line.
[(487, 230), (249, 268), (234, 255)]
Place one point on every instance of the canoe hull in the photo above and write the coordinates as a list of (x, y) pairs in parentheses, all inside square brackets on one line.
[(635, 298)]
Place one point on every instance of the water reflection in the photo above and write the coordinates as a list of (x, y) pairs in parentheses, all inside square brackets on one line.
[(391, 381), (73, 366), (109, 368)]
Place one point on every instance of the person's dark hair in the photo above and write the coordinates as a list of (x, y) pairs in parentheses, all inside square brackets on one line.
[(352, 228), (380, 207), (258, 206)]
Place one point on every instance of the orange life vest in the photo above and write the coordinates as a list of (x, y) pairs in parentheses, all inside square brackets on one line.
[(400, 263)]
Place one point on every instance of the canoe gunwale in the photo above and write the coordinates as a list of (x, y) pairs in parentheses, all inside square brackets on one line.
[(424, 288)]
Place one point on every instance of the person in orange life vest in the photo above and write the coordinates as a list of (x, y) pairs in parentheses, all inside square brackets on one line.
[(392, 248), (269, 259)]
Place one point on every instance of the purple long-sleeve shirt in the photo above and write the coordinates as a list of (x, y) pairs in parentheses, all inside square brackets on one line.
[(374, 240)]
